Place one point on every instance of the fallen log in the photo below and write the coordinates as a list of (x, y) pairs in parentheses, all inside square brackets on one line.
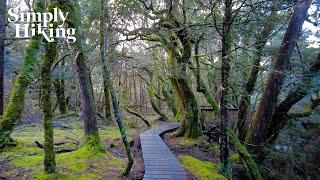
[(65, 150), (59, 150)]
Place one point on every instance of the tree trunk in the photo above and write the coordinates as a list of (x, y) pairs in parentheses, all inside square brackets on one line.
[(46, 105), (249, 86), (3, 20), (116, 107), (280, 116), (103, 47), (260, 122), (83, 76), (60, 93), (246, 156), (225, 72), (16, 103), (188, 106), (307, 111)]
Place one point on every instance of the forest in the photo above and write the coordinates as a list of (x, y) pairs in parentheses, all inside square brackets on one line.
[(160, 89)]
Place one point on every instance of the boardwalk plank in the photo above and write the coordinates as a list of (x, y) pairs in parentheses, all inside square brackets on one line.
[(159, 161)]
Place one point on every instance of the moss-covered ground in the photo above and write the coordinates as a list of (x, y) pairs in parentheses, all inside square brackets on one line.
[(202, 169), (26, 159)]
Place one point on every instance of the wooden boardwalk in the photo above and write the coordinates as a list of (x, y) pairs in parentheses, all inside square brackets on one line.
[(159, 161)]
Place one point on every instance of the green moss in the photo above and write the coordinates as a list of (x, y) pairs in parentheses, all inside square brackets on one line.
[(236, 158), (15, 105), (28, 161), (202, 169), (86, 163), (215, 148), (44, 176)]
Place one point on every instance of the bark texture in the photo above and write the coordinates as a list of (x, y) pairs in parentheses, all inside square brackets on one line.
[(178, 48), (260, 122), (83, 74), (46, 105), (225, 72), (251, 82)]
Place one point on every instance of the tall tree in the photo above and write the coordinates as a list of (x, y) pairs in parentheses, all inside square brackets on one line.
[(3, 20), (83, 74), (115, 100), (260, 43), (46, 64), (46, 104), (174, 36), (225, 72), (261, 121), (105, 45), (15, 105), (59, 87), (59, 84)]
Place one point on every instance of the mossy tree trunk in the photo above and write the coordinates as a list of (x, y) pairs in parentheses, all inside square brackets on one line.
[(46, 105), (83, 74), (116, 108), (225, 72), (103, 47), (178, 58), (3, 20), (246, 156), (15, 105), (261, 121), (251, 82), (311, 106)]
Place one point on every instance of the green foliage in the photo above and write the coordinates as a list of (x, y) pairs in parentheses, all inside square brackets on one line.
[(202, 169)]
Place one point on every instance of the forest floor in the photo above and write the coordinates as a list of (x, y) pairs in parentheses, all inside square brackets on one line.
[(199, 158), (25, 160)]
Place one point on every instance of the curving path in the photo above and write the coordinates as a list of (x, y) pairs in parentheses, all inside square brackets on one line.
[(159, 161)]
